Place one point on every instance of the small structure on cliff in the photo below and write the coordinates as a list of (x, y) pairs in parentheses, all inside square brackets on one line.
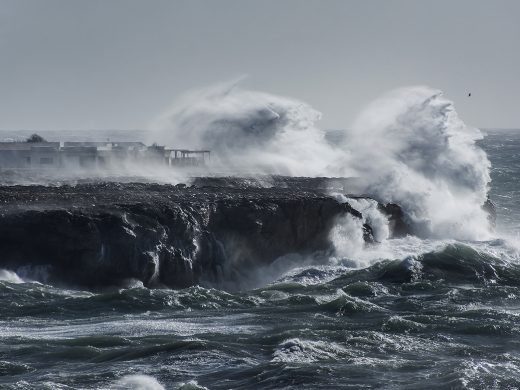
[(29, 154), (40, 154), (185, 157)]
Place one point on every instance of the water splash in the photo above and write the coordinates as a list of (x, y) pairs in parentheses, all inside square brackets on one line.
[(251, 132), (9, 276), (138, 382), (408, 147)]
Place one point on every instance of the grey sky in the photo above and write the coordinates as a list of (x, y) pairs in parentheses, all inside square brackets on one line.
[(67, 64)]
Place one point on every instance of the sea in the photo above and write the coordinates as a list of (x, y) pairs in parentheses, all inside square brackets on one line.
[(434, 314)]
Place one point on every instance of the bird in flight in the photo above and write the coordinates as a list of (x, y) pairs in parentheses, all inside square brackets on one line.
[(469, 94)]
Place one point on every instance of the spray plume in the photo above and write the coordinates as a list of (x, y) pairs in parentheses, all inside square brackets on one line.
[(408, 147)]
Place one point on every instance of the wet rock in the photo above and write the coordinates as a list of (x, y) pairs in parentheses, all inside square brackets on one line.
[(399, 227), (101, 234), (490, 208)]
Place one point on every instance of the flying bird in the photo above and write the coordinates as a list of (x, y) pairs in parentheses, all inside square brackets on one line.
[(469, 94)]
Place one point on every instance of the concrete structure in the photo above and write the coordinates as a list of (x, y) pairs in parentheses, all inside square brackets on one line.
[(29, 155), (41, 155), (187, 157)]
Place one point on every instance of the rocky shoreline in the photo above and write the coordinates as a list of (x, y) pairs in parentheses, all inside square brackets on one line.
[(96, 235)]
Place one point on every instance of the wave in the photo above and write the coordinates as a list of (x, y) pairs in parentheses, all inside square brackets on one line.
[(9, 276), (408, 147), (329, 288), (307, 351), (412, 148), (147, 382), (138, 382), (452, 262)]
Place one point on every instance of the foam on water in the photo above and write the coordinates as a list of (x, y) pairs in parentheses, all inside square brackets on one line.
[(192, 385), (9, 276), (441, 309), (351, 248), (138, 382), (307, 351)]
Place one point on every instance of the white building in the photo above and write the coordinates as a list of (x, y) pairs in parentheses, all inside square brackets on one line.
[(29, 155), (40, 155)]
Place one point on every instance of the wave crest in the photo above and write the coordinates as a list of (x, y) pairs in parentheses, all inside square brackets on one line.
[(412, 148), (408, 147)]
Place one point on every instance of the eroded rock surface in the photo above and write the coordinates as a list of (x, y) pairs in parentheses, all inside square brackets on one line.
[(95, 235)]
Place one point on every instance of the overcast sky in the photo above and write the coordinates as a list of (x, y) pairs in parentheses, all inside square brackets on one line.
[(100, 64)]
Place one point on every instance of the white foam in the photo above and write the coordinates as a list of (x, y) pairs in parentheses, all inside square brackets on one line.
[(138, 382), (347, 237), (9, 276), (408, 147), (373, 217), (192, 385), (308, 351)]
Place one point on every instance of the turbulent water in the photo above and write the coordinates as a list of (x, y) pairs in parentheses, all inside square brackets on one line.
[(405, 313), (436, 309)]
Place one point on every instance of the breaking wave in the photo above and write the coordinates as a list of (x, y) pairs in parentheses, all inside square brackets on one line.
[(138, 382), (408, 147), (412, 148), (9, 276)]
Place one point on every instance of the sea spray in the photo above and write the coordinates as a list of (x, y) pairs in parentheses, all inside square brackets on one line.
[(370, 214), (251, 132), (138, 382), (9, 276), (347, 237), (443, 311), (408, 147), (352, 250)]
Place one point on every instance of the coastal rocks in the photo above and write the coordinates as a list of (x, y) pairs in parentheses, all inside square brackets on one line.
[(96, 235), (490, 208)]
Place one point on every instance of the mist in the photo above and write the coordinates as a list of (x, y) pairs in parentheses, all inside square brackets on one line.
[(408, 146), (251, 132)]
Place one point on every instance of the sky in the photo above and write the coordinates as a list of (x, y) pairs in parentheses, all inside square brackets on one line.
[(119, 64)]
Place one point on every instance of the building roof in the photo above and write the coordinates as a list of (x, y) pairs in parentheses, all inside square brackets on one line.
[(28, 145)]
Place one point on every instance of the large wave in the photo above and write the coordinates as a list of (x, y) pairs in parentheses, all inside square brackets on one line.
[(411, 147), (408, 147)]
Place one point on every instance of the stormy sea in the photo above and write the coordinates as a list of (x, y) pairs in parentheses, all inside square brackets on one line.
[(387, 257)]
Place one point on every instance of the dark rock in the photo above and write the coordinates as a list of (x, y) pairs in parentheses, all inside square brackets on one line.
[(95, 235), (368, 234), (102, 234), (399, 227), (490, 208)]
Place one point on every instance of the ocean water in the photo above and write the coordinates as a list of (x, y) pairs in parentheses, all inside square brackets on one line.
[(414, 314), (502, 147)]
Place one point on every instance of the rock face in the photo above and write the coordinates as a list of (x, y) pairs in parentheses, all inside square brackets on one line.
[(95, 235), (490, 208)]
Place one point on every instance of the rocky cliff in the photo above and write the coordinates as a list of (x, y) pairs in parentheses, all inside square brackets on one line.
[(95, 235)]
